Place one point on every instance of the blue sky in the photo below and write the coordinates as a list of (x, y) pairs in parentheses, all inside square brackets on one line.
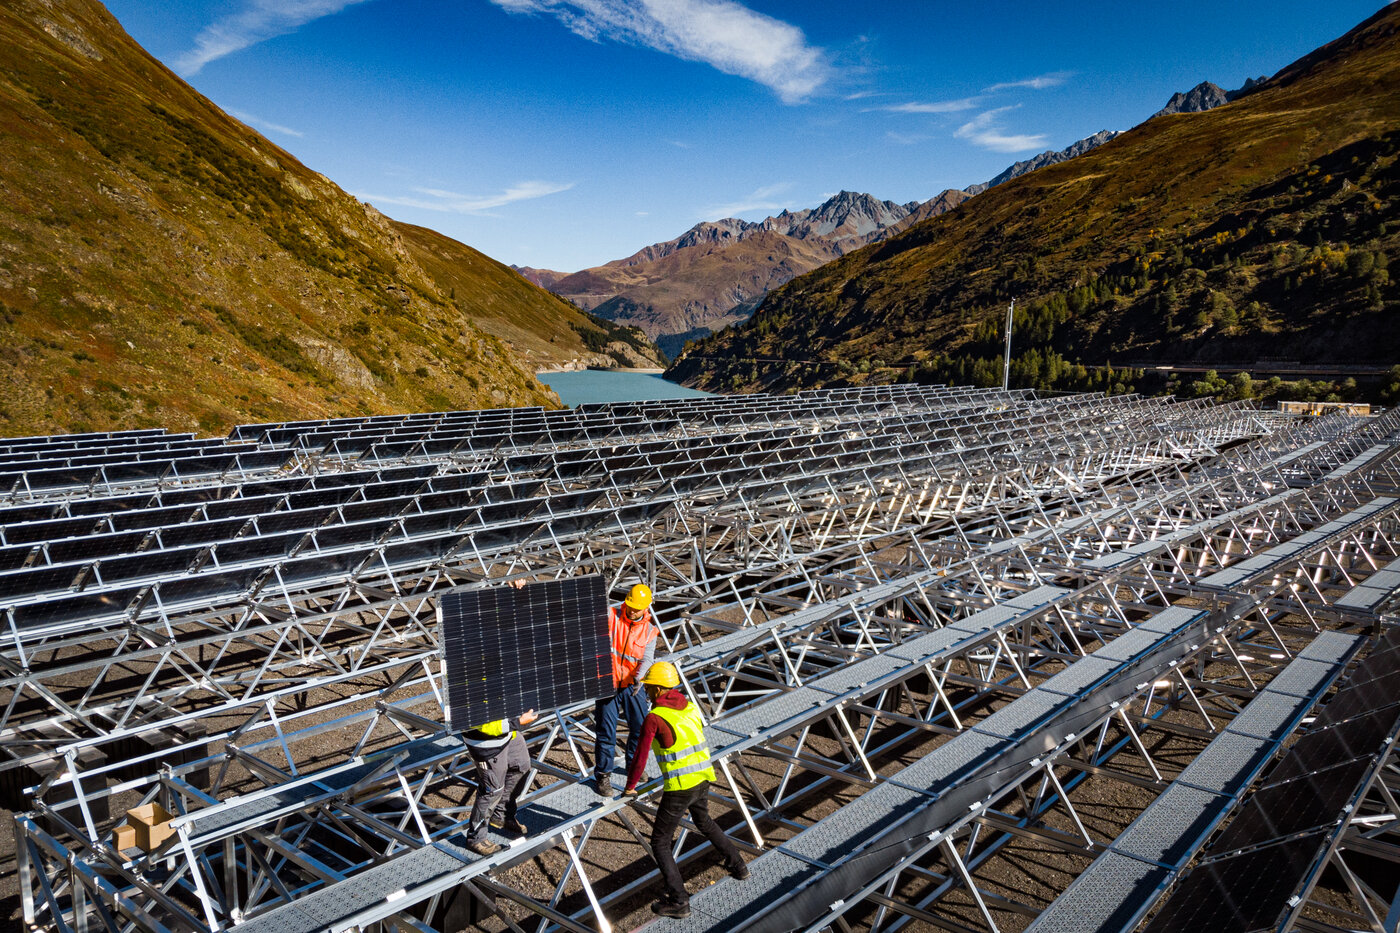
[(565, 133)]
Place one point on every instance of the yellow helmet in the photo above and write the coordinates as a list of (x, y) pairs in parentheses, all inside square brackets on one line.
[(639, 598), (663, 674)]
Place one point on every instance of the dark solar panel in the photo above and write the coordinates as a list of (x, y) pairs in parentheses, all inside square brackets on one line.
[(541, 647), (27, 513), (35, 532), (1355, 699), (301, 520), (94, 546), (36, 580), (67, 611), (153, 564), (1241, 893), (1358, 737), (13, 558), (363, 534), (1307, 802)]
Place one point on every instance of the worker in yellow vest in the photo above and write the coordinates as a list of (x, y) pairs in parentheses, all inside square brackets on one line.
[(675, 730), (502, 767)]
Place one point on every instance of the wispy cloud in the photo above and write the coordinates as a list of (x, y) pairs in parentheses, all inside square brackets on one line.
[(760, 200), (905, 139), (936, 106), (450, 202), (1053, 79), (257, 21), (251, 120), (985, 130), (721, 33)]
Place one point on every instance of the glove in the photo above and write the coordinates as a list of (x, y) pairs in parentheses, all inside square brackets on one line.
[(630, 793)]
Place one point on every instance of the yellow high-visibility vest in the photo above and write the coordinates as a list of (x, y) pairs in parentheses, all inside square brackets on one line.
[(489, 738), (686, 763)]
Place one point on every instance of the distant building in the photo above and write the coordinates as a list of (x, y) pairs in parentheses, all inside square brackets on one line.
[(1322, 408)]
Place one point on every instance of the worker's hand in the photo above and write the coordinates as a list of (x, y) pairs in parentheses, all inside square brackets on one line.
[(630, 793), (528, 717), (518, 584)]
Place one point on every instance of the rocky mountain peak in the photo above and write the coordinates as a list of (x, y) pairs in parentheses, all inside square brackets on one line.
[(1047, 157), (844, 215), (1204, 96)]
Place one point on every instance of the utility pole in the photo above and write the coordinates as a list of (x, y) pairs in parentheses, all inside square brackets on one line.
[(1006, 360)]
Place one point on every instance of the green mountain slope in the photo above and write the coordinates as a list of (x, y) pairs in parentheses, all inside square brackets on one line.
[(163, 264), (542, 330), (1265, 228)]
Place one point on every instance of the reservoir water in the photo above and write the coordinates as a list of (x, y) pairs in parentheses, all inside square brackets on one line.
[(590, 386)]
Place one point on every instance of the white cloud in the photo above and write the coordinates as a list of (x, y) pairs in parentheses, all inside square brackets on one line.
[(937, 106), (1053, 79), (759, 200), (905, 139), (434, 199), (985, 130), (721, 33), (258, 21), (251, 120)]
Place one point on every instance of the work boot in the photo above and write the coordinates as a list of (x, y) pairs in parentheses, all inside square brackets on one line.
[(514, 827), (604, 785), (740, 871), (484, 847), (669, 908)]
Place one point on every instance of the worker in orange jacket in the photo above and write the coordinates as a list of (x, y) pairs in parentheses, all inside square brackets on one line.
[(633, 638)]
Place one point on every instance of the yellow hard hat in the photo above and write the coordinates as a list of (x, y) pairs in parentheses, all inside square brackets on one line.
[(639, 598), (662, 674)]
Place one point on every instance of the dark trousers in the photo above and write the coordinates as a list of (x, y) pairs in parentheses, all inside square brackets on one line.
[(629, 701), (500, 780), (674, 803)]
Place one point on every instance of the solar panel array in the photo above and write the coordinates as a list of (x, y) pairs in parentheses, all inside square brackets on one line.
[(1253, 869), (537, 647), (817, 553)]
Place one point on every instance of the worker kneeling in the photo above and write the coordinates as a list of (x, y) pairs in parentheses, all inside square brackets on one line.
[(675, 730), (502, 767)]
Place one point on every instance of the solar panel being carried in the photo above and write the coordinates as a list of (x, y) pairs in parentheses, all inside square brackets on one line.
[(507, 650)]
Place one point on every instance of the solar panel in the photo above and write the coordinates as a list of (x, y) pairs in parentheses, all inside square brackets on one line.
[(507, 650), (1240, 893), (1303, 803)]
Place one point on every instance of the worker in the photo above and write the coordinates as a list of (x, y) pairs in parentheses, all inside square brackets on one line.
[(633, 639), (502, 770), (675, 730)]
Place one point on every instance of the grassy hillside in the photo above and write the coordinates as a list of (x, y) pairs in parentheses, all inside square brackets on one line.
[(1266, 228), (542, 330), (163, 265)]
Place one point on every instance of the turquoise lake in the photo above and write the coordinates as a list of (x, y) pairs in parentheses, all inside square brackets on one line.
[(591, 386)]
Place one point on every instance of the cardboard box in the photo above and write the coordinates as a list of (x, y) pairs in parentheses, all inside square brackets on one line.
[(124, 837), (151, 823)]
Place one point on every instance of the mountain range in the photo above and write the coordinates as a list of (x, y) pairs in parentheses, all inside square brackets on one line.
[(1262, 229), (735, 263), (162, 264), (726, 277)]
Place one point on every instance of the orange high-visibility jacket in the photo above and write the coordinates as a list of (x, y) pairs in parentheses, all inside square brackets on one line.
[(633, 645)]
